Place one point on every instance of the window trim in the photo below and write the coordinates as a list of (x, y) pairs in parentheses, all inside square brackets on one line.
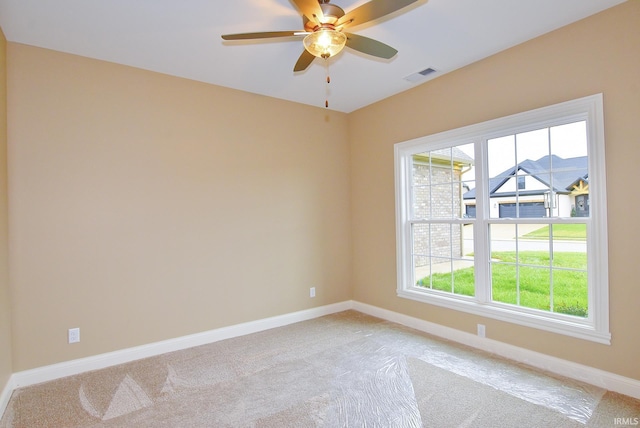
[(594, 328)]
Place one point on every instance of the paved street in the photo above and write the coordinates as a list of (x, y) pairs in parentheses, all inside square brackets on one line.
[(503, 239)]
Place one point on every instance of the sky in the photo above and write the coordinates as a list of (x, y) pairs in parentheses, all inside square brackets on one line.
[(567, 141)]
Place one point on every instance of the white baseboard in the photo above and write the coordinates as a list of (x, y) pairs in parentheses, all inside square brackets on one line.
[(5, 396), (590, 375), (73, 367)]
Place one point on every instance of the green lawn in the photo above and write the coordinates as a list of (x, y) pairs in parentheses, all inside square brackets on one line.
[(576, 232), (569, 287)]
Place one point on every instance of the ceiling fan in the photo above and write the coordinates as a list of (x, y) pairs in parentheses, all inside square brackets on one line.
[(323, 33)]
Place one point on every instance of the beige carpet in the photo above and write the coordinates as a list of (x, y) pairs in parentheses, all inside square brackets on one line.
[(343, 370)]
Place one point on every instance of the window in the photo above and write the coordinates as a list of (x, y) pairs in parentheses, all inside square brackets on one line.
[(507, 219)]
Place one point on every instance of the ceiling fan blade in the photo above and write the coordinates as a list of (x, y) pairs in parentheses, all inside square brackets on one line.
[(310, 8), (263, 35), (373, 10), (304, 61), (370, 46)]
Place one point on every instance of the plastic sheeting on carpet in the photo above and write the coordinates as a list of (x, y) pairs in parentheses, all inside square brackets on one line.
[(342, 370)]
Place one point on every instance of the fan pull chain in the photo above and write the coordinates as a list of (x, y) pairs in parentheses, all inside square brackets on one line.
[(326, 102)]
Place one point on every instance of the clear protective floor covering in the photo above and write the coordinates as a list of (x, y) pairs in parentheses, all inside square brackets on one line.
[(342, 370)]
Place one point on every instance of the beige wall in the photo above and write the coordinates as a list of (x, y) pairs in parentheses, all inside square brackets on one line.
[(146, 207), (599, 54), (5, 307)]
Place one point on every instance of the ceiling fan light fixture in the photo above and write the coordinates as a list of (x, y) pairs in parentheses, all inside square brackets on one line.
[(325, 42)]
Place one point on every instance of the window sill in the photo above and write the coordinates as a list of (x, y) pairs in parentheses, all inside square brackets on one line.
[(555, 323)]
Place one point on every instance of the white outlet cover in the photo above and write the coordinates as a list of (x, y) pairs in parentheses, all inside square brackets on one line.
[(481, 330), (74, 335)]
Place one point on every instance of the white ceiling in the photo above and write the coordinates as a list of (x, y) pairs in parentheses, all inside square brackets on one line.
[(182, 38)]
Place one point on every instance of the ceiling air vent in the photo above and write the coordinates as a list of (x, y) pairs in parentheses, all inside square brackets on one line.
[(420, 75)]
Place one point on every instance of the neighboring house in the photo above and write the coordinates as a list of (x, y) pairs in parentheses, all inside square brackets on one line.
[(562, 193), (435, 175)]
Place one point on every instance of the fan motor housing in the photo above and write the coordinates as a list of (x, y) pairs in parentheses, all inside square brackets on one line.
[(332, 14)]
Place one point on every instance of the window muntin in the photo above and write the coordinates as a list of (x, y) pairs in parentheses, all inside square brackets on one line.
[(547, 273), (533, 174), (437, 233)]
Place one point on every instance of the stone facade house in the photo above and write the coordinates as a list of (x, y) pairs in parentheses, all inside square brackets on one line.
[(438, 192)]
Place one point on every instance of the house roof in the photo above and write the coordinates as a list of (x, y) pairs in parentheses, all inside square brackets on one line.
[(566, 173), (452, 154)]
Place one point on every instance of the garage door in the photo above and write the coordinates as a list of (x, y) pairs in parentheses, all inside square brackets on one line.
[(471, 211), (527, 210)]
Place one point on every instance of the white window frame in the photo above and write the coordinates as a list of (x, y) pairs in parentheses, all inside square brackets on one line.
[(596, 326)]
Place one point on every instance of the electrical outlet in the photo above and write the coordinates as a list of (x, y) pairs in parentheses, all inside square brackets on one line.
[(312, 292), (74, 335), (481, 330)]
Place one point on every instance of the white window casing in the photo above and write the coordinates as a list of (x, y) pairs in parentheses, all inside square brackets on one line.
[(595, 326)]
